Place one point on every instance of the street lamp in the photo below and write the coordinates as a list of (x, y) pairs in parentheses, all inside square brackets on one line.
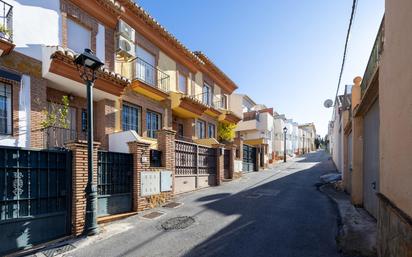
[(303, 143), (87, 64), (285, 129)]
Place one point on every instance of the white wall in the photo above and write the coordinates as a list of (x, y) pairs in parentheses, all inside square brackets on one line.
[(35, 23)]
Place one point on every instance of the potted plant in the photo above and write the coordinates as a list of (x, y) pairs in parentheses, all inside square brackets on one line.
[(4, 32)]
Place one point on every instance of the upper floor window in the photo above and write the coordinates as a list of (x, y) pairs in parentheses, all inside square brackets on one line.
[(200, 129), (78, 36), (223, 103), (182, 83), (5, 109), (207, 94), (131, 118), (145, 66), (211, 130), (153, 123)]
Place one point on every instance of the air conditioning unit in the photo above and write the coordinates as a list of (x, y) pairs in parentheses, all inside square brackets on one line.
[(125, 47), (126, 30)]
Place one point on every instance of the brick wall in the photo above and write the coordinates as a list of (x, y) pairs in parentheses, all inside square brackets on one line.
[(105, 120), (79, 182), (140, 152)]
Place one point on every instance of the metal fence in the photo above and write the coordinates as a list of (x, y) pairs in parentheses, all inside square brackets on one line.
[(374, 59), (55, 137), (147, 73), (35, 196), (194, 159), (6, 21)]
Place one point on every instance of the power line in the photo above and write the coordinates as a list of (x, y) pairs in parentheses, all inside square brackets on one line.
[(352, 16)]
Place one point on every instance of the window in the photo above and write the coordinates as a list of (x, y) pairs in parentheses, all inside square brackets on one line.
[(153, 123), (78, 36), (223, 103), (201, 129), (145, 66), (131, 117), (5, 109), (180, 130), (182, 83), (207, 94), (211, 130), (84, 120)]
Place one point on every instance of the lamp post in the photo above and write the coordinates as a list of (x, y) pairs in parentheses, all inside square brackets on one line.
[(303, 143), (285, 129), (87, 64)]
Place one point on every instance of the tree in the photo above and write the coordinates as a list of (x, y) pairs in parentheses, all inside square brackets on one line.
[(225, 132), (56, 116)]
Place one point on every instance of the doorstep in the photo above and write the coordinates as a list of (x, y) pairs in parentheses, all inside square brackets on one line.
[(110, 218)]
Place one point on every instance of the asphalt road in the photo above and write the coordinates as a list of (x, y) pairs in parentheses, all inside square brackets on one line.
[(271, 213)]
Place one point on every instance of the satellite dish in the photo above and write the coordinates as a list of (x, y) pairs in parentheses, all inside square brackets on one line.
[(328, 103)]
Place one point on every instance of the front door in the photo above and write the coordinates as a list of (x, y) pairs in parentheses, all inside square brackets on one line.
[(371, 159)]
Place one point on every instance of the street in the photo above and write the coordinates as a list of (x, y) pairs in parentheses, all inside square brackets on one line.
[(277, 212)]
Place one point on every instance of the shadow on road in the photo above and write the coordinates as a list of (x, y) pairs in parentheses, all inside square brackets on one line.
[(283, 217)]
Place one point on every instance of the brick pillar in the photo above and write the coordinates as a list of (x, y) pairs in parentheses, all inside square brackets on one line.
[(79, 182), (166, 144), (219, 163), (257, 161), (232, 149), (141, 162), (239, 143)]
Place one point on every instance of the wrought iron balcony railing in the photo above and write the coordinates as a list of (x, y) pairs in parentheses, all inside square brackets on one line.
[(6, 21), (374, 59), (211, 100), (148, 74), (55, 137)]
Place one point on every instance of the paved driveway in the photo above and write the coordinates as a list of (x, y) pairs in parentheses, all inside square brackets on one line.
[(270, 213)]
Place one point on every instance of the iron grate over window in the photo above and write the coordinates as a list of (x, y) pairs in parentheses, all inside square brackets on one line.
[(114, 173)]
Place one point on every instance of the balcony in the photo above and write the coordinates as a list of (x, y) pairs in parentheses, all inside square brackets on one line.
[(213, 102), (374, 60), (56, 137), (6, 28), (186, 106), (147, 79)]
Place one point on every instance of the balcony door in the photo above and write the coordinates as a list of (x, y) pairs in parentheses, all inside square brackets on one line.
[(207, 94), (145, 66)]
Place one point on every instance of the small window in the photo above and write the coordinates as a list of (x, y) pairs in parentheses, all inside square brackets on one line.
[(201, 129), (211, 130), (78, 36), (180, 130), (84, 120), (155, 158), (182, 83), (131, 118), (153, 123), (5, 109)]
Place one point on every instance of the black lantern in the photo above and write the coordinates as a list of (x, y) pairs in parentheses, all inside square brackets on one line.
[(87, 64)]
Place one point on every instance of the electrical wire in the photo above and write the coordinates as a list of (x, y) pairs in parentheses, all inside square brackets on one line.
[(352, 16)]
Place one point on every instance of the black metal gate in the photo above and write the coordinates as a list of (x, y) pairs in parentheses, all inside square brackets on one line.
[(35, 190), (114, 183), (226, 164), (195, 166), (249, 158)]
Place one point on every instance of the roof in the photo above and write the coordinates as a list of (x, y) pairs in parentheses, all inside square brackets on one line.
[(197, 57)]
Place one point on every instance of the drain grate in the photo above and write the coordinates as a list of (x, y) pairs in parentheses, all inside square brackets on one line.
[(58, 250), (173, 205), (252, 195), (153, 215), (268, 192), (176, 223)]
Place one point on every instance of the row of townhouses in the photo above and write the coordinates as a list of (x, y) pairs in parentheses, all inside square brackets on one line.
[(371, 131), (164, 118), (263, 128)]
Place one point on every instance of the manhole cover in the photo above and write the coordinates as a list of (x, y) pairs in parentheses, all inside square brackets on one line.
[(172, 205), (178, 223), (153, 215)]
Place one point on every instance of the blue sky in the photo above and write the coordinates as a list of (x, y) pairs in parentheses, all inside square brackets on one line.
[(284, 54)]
